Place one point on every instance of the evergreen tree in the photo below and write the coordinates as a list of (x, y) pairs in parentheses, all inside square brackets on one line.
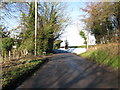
[(82, 34), (28, 30)]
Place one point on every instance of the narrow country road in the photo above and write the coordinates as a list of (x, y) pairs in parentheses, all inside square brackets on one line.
[(66, 70)]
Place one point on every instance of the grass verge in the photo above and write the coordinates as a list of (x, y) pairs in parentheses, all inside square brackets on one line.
[(14, 72), (107, 54)]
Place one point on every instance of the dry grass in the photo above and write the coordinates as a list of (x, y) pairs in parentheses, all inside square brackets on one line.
[(107, 54), (111, 48)]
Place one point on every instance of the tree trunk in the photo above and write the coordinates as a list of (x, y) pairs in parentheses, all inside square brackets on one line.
[(50, 45), (9, 55), (97, 37), (5, 55)]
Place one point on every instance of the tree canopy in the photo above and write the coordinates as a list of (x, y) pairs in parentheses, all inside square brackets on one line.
[(103, 21), (51, 21)]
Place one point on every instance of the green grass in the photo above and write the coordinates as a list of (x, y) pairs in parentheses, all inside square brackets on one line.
[(83, 46), (104, 54), (13, 69)]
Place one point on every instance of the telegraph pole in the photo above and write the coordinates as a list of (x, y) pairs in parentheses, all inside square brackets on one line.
[(35, 27), (87, 29), (87, 38)]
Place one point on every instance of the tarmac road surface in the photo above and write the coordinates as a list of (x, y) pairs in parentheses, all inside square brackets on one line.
[(66, 70)]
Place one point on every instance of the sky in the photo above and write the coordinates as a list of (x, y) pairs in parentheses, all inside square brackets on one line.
[(71, 32)]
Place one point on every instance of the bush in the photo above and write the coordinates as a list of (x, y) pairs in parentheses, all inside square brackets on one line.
[(7, 43)]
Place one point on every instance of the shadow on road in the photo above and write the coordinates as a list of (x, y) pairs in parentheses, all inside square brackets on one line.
[(70, 71), (56, 51)]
